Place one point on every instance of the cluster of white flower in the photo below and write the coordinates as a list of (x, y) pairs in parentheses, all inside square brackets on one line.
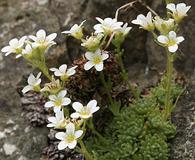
[(167, 28), (95, 54), (18, 47)]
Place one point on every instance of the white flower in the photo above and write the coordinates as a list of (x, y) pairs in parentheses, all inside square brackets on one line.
[(63, 72), (76, 31), (164, 26), (93, 42), (171, 41), (125, 29), (15, 46), (84, 111), (58, 122), (27, 50), (107, 26), (68, 138), (33, 83), (57, 101), (179, 11), (95, 60), (42, 40), (145, 22)]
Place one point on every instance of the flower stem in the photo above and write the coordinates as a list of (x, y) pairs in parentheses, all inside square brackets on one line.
[(84, 151), (107, 89), (168, 102), (91, 126), (124, 73)]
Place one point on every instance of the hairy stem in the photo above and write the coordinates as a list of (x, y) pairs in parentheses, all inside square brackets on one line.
[(124, 73), (107, 88), (168, 101), (84, 151)]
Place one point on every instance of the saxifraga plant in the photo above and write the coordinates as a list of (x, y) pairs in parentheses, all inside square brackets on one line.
[(137, 130)]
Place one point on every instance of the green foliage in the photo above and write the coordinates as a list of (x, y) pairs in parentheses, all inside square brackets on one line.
[(138, 132)]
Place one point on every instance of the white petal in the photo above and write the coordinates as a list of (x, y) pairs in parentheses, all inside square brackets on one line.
[(52, 97), (33, 37), (92, 103), (50, 125), (66, 101), (72, 145), (53, 69), (100, 20), (59, 115), (38, 81), (41, 34), (14, 43), (26, 89), (57, 109), (88, 65), (58, 73), (70, 128), (51, 37), (39, 75), (52, 120), (62, 145), (78, 133), (180, 39), (60, 135), (172, 35), (163, 39), (173, 49), (77, 106), (89, 55), (31, 79), (49, 104), (75, 115), (62, 93), (18, 56), (105, 56), (71, 71), (99, 67), (171, 7), (6, 49), (63, 68)]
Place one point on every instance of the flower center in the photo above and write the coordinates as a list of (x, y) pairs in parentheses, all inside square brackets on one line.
[(70, 138), (58, 102), (171, 42), (85, 112), (97, 60)]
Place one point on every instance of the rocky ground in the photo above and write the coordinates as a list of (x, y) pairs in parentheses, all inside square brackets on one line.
[(21, 141)]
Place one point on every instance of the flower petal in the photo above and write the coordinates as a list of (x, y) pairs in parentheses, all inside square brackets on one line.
[(99, 67), (77, 106), (62, 93), (75, 115), (26, 89), (70, 128), (6, 49), (52, 120), (78, 133), (163, 39), (63, 68), (49, 104), (173, 48), (72, 145), (62, 145), (51, 37), (88, 65), (66, 101), (60, 135), (171, 7), (180, 39)]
